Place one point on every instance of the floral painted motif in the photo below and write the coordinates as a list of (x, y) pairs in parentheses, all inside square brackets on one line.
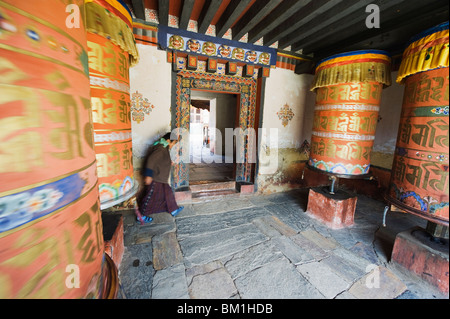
[(305, 148), (440, 110), (176, 42), (193, 45), (285, 114), (209, 48), (139, 107), (213, 48), (151, 15), (18, 209)]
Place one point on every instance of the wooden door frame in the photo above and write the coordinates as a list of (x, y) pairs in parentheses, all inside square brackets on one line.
[(246, 89)]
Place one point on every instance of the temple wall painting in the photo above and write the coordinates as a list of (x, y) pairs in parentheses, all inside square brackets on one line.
[(287, 105), (49, 207), (388, 117), (150, 81)]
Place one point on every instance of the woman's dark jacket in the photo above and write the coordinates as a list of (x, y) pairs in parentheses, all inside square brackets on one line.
[(157, 163)]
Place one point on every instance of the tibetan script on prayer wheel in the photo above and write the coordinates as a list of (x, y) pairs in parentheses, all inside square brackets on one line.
[(419, 181), (110, 96), (346, 113), (51, 242)]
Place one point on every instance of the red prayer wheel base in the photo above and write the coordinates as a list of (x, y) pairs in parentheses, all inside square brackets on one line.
[(415, 252), (419, 179), (440, 220), (110, 277), (336, 211), (113, 236), (108, 194), (339, 175)]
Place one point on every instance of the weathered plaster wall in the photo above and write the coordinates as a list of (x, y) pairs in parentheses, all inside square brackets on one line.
[(151, 78), (387, 127), (286, 87), (279, 163), (223, 108)]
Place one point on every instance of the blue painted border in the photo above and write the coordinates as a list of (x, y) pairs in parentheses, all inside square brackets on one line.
[(164, 30), (354, 53), (69, 188), (439, 27)]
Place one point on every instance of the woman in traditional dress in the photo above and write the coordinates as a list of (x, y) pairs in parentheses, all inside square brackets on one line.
[(157, 195)]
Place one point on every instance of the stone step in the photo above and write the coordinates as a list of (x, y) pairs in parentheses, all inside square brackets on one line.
[(210, 195), (212, 187)]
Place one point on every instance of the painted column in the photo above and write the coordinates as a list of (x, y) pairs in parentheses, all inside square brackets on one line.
[(51, 243), (111, 49), (348, 90), (419, 179)]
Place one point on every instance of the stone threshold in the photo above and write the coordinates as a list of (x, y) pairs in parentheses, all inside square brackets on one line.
[(212, 191)]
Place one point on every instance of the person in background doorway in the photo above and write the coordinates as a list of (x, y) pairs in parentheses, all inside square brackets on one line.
[(156, 195)]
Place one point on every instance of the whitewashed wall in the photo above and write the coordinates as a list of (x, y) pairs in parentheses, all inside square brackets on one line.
[(152, 78), (387, 127), (277, 162), (284, 87)]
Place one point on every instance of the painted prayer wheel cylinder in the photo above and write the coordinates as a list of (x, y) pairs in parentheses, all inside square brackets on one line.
[(110, 96), (419, 180), (348, 91), (51, 243)]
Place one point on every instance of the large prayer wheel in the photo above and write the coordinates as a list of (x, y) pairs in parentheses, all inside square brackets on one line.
[(348, 90), (111, 50), (419, 180), (51, 243)]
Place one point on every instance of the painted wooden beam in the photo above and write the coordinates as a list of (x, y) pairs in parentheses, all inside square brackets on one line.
[(301, 17), (305, 67), (186, 13), (392, 16), (138, 8), (259, 10), (207, 15), (163, 12), (281, 13), (229, 16), (324, 19), (408, 24), (354, 21), (387, 37)]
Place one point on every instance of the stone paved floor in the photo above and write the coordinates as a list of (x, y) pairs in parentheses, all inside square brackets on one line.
[(265, 247)]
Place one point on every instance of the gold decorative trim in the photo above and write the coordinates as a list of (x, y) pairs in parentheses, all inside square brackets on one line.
[(112, 143), (127, 82), (101, 22), (42, 21), (112, 130), (353, 73), (40, 56), (47, 181), (427, 53), (37, 220)]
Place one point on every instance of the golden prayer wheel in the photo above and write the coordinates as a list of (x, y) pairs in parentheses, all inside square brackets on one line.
[(111, 49), (419, 180), (348, 90), (51, 243)]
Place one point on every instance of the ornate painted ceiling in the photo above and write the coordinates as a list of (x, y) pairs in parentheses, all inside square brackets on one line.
[(313, 28)]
